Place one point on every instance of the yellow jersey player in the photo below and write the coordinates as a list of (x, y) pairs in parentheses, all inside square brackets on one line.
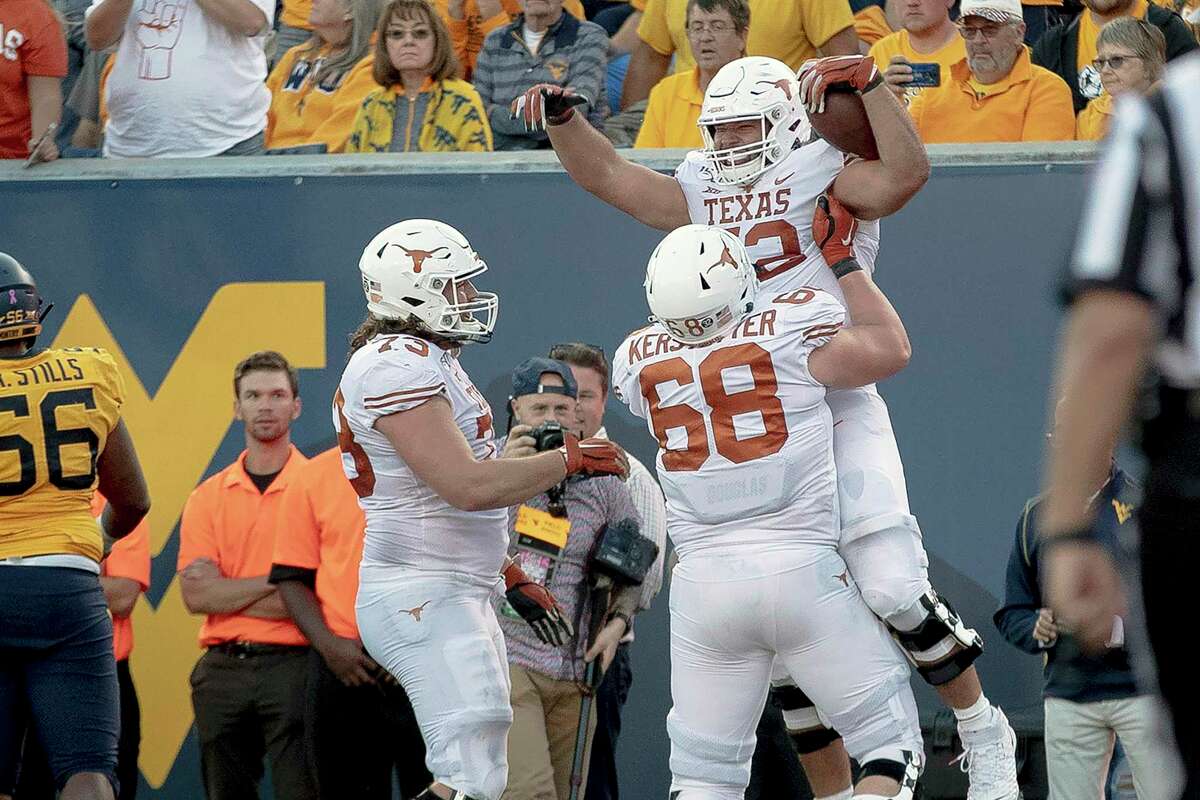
[(61, 437)]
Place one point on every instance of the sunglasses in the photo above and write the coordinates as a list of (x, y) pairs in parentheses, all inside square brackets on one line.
[(1116, 62)]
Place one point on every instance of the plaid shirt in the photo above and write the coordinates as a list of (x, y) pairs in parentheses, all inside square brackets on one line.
[(573, 54), (591, 505)]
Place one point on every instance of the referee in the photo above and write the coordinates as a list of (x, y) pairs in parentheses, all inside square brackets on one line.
[(1135, 325)]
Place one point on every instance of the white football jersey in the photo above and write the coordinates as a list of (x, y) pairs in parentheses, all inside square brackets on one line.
[(773, 218), (408, 523), (745, 436)]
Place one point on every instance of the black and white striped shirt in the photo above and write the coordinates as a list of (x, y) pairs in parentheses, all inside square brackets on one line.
[(1140, 231)]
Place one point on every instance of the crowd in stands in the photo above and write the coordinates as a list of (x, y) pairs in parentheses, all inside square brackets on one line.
[(191, 78)]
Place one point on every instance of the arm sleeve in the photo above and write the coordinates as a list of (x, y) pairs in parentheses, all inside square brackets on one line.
[(1050, 116), (653, 28), (625, 380), (586, 72), (651, 134), (1128, 208), (824, 18), (818, 320), (398, 381), (45, 50), (197, 538), (1022, 599)]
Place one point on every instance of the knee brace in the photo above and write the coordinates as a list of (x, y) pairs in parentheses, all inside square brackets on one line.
[(940, 646), (706, 765), (808, 730), (902, 766)]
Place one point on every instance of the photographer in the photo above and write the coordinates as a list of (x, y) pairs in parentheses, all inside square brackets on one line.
[(554, 537)]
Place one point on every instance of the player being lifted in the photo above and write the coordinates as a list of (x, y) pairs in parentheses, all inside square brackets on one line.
[(732, 384), (417, 445), (61, 437), (758, 176)]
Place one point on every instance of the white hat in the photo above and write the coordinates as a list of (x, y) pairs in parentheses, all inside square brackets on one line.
[(995, 10)]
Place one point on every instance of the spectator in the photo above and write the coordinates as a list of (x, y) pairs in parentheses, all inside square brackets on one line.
[(589, 367), (470, 21), (317, 87), (1088, 699), (928, 36), (871, 21), (717, 31), (124, 575), (1132, 57), (414, 61), (188, 77), (294, 27), (542, 45), (995, 94), (1040, 16), (1070, 50), (248, 687), (33, 61), (552, 536), (792, 31), (358, 722)]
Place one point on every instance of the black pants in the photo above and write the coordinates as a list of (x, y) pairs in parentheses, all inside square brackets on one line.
[(775, 771), (247, 707), (610, 699), (356, 736), (1170, 533), (36, 781)]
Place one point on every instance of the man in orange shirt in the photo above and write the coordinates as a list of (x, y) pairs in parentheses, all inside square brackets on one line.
[(248, 688), (358, 722), (995, 94)]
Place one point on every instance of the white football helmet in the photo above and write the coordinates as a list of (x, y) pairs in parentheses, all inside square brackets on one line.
[(415, 270), (699, 283), (755, 88)]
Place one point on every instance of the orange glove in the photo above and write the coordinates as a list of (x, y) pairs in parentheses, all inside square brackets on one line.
[(545, 104), (833, 229), (536, 606), (819, 75), (593, 457)]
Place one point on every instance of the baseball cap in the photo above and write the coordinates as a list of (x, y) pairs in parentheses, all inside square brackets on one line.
[(995, 10), (527, 378)]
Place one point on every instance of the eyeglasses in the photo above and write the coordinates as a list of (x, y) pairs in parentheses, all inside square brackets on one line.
[(1116, 62), (969, 32), (718, 26)]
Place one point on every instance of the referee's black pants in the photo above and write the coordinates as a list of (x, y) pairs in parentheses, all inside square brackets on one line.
[(1170, 533), (356, 736)]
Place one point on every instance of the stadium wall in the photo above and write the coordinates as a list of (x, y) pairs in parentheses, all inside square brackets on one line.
[(180, 268)]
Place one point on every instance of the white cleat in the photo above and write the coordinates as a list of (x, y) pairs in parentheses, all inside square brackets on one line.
[(990, 761)]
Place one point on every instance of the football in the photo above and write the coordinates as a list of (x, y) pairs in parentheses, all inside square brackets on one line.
[(844, 124)]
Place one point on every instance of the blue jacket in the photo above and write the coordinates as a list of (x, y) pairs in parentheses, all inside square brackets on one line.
[(1070, 674)]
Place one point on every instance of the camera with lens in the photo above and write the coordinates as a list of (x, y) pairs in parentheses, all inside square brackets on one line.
[(547, 436), (623, 554)]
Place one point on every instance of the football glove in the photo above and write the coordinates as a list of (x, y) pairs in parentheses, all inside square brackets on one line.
[(536, 606), (545, 104), (593, 457), (819, 75), (833, 229)]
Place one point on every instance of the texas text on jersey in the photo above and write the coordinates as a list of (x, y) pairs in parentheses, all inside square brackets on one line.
[(773, 216), (408, 524), (744, 433), (57, 408)]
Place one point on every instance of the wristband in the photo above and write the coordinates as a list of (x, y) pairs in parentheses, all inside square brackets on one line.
[(621, 615), (874, 82), (844, 267), (562, 118), (1081, 535)]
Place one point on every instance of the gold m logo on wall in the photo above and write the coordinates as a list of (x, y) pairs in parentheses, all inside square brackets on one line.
[(177, 431)]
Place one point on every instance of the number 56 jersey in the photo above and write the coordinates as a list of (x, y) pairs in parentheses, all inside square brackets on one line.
[(745, 437), (408, 524)]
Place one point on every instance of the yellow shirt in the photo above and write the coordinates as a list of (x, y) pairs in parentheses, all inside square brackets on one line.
[(1092, 122), (789, 30), (672, 112), (871, 24), (467, 34), (900, 44), (57, 408), (303, 112), (1088, 77), (295, 14), (1030, 104)]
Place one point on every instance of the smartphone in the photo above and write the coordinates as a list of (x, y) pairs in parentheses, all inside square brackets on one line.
[(926, 75)]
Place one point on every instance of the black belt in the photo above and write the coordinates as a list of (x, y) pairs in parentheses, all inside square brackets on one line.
[(249, 649)]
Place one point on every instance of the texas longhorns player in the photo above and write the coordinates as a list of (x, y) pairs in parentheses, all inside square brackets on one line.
[(418, 447), (732, 382), (758, 177)]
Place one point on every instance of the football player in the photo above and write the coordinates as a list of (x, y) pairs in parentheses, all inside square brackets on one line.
[(758, 176), (61, 437), (732, 384), (418, 447)]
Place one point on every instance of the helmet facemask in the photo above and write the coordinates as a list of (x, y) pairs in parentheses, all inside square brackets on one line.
[(743, 164)]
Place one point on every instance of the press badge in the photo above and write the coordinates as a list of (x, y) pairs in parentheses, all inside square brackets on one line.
[(541, 538)]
